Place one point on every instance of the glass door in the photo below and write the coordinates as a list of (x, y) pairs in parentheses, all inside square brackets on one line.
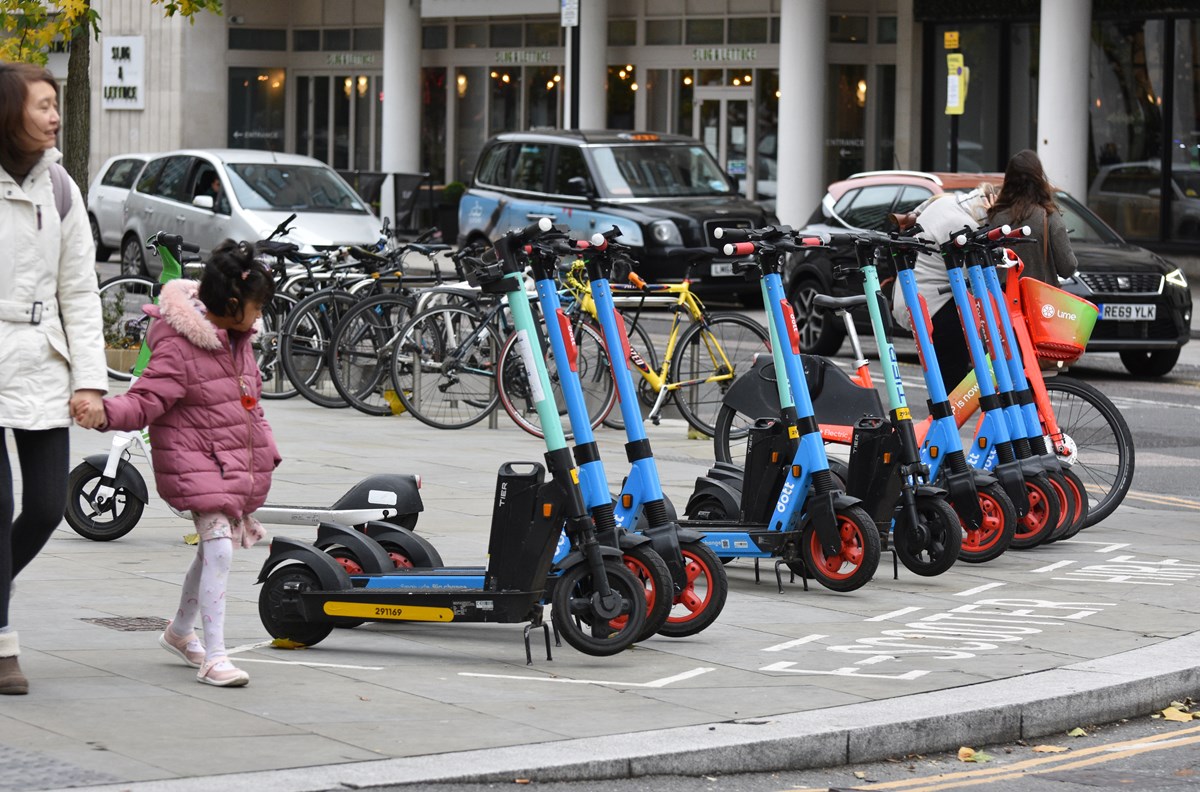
[(725, 122), (339, 120)]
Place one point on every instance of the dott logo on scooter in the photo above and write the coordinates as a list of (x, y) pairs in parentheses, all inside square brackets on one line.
[(785, 496)]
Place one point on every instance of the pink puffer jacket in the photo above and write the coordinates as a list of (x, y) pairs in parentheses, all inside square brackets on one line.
[(210, 453)]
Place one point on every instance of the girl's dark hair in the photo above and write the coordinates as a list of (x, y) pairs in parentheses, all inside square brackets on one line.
[(1025, 188), (19, 152), (233, 278)]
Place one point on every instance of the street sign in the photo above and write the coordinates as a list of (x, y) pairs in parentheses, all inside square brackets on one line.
[(950, 40), (569, 13)]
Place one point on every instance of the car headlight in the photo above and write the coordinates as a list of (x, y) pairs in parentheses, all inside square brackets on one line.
[(665, 232), (1176, 278)]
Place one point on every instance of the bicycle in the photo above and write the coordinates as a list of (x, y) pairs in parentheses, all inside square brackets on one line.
[(698, 364)]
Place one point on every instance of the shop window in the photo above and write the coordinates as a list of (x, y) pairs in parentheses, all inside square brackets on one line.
[(748, 30), (335, 39), (433, 123), (705, 31), (506, 100), (505, 35), (369, 39), (471, 87), (435, 37), (846, 121), (848, 29), (545, 90), (306, 40), (664, 31), (241, 38), (542, 34), (471, 36), (622, 32), (256, 108), (622, 86)]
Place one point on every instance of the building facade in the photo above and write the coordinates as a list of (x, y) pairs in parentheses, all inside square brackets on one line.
[(789, 94)]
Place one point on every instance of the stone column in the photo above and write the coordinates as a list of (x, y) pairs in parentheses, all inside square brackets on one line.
[(801, 134), (593, 64), (1062, 129), (401, 135)]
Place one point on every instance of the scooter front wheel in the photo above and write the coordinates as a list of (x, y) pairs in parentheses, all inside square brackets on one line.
[(855, 563), (274, 614), (100, 523), (703, 598), (994, 534), (1076, 485), (657, 586), (1042, 518), (936, 542), (575, 614)]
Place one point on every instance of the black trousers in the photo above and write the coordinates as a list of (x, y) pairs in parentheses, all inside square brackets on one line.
[(44, 457)]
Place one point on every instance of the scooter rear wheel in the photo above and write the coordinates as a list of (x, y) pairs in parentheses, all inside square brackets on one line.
[(1068, 505), (270, 606), (1081, 497), (1041, 519), (117, 518), (858, 558), (938, 541), (703, 598), (995, 533), (576, 618)]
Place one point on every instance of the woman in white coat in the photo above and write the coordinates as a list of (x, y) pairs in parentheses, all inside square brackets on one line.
[(51, 341)]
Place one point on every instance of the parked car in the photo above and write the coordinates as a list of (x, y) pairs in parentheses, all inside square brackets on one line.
[(1127, 196), (1145, 304), (665, 193), (106, 200), (207, 195)]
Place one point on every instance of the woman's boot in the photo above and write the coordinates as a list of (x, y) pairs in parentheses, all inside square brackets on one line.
[(12, 681)]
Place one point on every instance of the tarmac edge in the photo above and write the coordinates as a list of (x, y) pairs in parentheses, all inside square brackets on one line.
[(1124, 685)]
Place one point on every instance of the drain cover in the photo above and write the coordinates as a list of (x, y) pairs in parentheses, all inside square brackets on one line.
[(131, 623)]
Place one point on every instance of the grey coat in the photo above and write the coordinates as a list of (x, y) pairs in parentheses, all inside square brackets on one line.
[(1062, 258)]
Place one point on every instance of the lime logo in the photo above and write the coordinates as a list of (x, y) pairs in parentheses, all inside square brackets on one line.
[(1048, 311)]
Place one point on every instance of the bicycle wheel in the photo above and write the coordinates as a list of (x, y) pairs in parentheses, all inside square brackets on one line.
[(591, 366), (306, 342), (361, 360), (709, 358), (729, 435), (1099, 439), (444, 367), (641, 343), (276, 384), (123, 322)]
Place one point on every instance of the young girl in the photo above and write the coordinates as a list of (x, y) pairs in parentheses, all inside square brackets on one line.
[(212, 449)]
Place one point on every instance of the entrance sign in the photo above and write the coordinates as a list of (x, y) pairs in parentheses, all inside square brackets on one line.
[(957, 78), (122, 73)]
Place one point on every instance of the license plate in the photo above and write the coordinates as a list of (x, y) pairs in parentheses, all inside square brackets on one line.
[(721, 268), (1126, 312)]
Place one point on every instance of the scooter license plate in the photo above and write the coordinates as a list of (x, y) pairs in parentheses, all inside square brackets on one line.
[(1128, 312), (722, 269)]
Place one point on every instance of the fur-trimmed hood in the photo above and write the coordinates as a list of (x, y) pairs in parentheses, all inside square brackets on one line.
[(179, 306)]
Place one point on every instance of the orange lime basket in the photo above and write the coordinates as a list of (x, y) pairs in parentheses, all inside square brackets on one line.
[(1060, 323)]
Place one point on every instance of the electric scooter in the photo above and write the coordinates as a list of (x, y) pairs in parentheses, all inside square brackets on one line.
[(107, 494), (796, 513), (699, 581), (598, 605)]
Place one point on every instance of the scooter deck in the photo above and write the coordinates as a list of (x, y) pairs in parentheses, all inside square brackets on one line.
[(475, 605), (733, 539), (443, 578)]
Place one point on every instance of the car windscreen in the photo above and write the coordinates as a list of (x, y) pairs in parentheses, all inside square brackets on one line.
[(658, 172), (1082, 225), (292, 188)]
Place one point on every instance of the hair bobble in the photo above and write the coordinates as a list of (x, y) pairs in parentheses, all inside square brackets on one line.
[(245, 274)]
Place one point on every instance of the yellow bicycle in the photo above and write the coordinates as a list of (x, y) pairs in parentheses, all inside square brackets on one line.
[(700, 361)]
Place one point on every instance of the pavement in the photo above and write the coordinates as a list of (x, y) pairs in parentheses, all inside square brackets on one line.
[(1087, 631)]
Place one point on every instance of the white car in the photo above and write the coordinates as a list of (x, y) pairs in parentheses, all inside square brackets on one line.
[(208, 195), (106, 200)]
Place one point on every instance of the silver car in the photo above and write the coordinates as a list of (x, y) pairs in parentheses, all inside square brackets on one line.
[(106, 200), (207, 195)]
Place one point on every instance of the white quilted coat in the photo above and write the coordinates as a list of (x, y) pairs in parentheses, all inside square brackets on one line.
[(42, 364)]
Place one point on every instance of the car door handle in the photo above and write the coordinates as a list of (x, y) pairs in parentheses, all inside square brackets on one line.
[(540, 215)]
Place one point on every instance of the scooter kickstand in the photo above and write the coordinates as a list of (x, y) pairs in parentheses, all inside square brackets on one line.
[(528, 649)]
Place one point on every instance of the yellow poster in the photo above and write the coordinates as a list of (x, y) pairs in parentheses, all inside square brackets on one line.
[(957, 78)]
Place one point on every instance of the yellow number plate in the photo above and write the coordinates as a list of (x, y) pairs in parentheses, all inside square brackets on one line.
[(374, 611)]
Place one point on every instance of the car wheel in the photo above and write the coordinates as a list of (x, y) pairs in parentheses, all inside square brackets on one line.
[(133, 260), (102, 252), (1149, 362), (820, 331)]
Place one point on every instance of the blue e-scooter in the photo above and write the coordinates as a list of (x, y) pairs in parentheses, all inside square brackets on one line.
[(598, 605)]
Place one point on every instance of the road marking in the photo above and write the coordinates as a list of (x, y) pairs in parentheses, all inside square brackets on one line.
[(1154, 403), (1054, 566), (657, 683), (789, 644), (310, 665), (1162, 500), (978, 589), (1112, 548), (248, 647), (893, 614), (1047, 764)]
